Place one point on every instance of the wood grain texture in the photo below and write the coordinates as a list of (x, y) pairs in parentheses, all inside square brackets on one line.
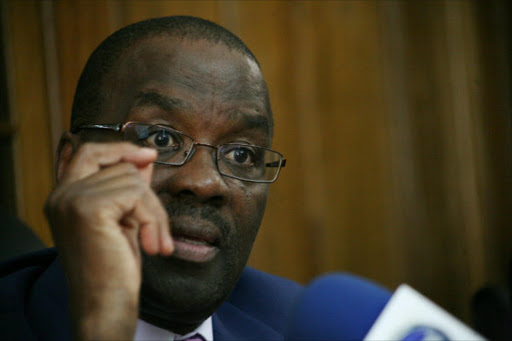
[(29, 112)]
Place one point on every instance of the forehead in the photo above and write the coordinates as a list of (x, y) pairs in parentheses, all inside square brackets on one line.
[(203, 76)]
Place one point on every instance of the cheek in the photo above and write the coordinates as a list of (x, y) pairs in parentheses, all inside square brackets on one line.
[(158, 178), (251, 207), (158, 185), (163, 180), (247, 211)]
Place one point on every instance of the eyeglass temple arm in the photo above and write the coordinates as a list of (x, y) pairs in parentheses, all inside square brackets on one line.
[(114, 127), (278, 163)]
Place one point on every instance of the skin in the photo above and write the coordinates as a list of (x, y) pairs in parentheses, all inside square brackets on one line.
[(112, 202)]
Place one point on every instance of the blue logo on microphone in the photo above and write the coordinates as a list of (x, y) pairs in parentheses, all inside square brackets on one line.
[(424, 333)]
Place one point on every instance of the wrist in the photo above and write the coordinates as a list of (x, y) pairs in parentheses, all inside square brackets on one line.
[(105, 317)]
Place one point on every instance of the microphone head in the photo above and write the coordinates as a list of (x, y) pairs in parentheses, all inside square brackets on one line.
[(336, 307)]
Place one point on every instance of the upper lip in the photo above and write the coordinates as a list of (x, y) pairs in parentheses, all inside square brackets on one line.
[(196, 229)]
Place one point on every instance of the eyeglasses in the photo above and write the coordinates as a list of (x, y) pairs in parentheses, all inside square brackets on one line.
[(239, 161)]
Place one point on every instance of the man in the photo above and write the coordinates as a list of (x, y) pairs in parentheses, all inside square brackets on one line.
[(170, 135)]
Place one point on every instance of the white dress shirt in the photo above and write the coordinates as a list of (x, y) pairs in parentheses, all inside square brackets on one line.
[(146, 331)]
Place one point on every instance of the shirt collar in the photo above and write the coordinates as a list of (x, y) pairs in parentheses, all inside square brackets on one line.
[(148, 331)]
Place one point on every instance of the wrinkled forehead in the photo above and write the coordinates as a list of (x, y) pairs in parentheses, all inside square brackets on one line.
[(207, 68)]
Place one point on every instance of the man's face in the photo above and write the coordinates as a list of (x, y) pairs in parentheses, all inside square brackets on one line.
[(215, 96)]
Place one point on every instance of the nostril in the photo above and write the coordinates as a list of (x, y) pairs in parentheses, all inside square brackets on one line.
[(217, 200), (185, 194)]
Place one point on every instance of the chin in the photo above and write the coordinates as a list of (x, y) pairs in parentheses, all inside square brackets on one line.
[(185, 292)]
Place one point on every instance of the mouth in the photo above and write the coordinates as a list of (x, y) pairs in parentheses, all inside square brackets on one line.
[(195, 240)]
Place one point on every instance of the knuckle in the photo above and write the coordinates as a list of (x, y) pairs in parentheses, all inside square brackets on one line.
[(134, 185), (87, 151), (87, 148), (64, 204), (76, 204)]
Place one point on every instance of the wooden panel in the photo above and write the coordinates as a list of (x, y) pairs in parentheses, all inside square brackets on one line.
[(29, 112), (495, 46), (462, 130), (81, 26), (441, 170), (134, 10), (426, 231), (285, 238), (355, 142)]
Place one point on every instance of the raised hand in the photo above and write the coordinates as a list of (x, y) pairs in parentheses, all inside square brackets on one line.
[(102, 213)]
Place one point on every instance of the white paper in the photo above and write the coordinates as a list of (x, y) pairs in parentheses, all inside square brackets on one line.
[(410, 316)]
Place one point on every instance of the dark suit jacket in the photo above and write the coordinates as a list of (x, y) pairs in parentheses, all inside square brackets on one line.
[(33, 303)]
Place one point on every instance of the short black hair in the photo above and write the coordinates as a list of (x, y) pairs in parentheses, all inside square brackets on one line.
[(88, 97)]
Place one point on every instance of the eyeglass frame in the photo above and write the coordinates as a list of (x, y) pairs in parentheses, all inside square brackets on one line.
[(120, 127)]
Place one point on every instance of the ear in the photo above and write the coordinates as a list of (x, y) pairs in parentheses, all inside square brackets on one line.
[(68, 145)]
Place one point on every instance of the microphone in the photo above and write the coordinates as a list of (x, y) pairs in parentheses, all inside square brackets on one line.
[(346, 307), (336, 307)]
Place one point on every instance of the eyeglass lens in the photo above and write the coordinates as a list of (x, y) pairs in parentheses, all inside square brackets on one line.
[(235, 160)]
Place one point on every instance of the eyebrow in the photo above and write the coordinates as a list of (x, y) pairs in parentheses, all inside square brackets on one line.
[(151, 98), (255, 122)]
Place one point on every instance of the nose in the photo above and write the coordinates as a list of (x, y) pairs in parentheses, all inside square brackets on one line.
[(199, 179)]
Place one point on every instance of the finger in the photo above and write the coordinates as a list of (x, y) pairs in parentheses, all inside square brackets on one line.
[(167, 245), (126, 175), (92, 157), (109, 177), (155, 238), (154, 230), (127, 205), (146, 173), (130, 230), (166, 242), (149, 239), (102, 177), (147, 211)]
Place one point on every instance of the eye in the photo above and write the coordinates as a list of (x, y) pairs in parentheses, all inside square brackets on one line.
[(240, 155), (163, 139)]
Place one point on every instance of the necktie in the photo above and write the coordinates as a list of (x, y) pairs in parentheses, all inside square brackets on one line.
[(195, 337)]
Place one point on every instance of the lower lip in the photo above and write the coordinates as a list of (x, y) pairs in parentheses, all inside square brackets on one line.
[(193, 251)]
